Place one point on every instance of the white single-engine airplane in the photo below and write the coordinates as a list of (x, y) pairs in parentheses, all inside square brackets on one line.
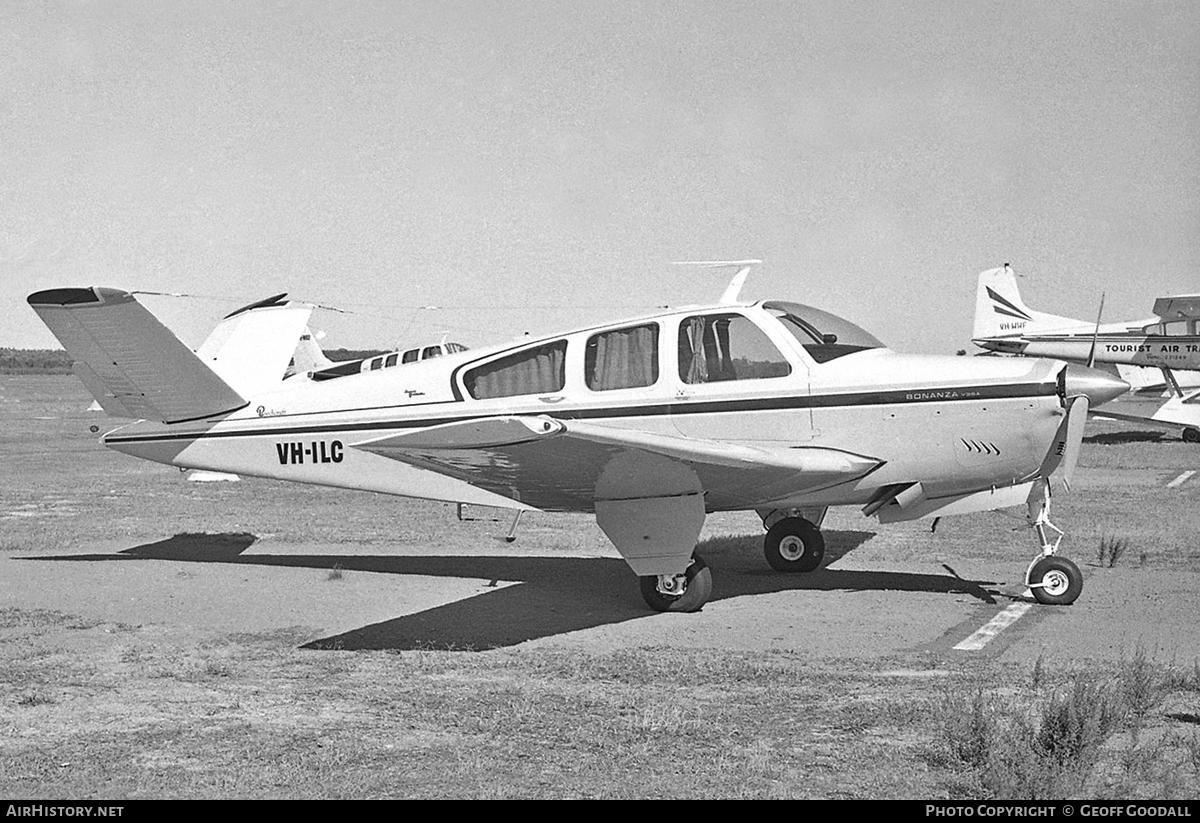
[(1169, 341), (650, 423)]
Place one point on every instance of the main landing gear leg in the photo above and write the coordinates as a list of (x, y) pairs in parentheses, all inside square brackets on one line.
[(1054, 580), (686, 592), (794, 543)]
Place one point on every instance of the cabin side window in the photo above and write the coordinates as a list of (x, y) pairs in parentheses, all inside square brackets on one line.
[(622, 358), (410, 356), (727, 347), (431, 351), (391, 361), (539, 370)]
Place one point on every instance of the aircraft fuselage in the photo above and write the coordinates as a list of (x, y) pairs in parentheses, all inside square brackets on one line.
[(1138, 349), (956, 425)]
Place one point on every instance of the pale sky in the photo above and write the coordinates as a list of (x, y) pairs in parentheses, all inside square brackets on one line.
[(534, 166)]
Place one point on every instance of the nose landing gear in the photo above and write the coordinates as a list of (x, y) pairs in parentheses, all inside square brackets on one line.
[(1054, 580)]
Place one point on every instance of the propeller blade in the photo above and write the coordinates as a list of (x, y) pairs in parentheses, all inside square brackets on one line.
[(1064, 450), (1091, 361)]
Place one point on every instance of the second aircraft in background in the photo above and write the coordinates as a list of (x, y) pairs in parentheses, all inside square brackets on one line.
[(1160, 346)]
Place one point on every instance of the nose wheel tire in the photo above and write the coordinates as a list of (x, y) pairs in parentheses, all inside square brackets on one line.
[(794, 545), (687, 592), (1055, 581), (1191, 435)]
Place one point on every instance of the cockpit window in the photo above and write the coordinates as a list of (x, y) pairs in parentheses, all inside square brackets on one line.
[(823, 335), (727, 347), (1176, 328)]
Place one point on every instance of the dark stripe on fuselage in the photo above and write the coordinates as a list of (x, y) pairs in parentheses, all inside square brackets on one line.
[(1086, 337), (884, 398)]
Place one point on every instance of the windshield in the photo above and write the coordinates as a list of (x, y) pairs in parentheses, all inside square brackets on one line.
[(823, 335)]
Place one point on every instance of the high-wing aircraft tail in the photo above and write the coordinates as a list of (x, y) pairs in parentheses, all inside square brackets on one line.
[(131, 363), (1000, 311), (308, 355)]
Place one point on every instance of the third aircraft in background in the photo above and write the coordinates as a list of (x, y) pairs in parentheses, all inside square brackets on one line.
[(1168, 342)]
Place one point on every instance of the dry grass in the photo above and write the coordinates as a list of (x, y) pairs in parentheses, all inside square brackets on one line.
[(256, 717), (1091, 733)]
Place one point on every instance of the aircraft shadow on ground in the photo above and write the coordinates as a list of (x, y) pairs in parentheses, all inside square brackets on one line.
[(1117, 438), (553, 595)]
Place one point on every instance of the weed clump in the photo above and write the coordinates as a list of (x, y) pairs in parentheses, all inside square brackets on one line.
[(1110, 550), (1051, 741)]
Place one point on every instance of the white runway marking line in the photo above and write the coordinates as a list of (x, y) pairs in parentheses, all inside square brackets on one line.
[(997, 624), (1180, 480)]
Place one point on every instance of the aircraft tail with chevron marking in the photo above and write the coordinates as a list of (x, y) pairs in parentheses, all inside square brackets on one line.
[(1000, 311)]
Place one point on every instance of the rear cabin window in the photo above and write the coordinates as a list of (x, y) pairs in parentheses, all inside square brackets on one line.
[(539, 370), (622, 358), (719, 347)]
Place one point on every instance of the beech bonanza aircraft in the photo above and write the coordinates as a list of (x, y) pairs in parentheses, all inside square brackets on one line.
[(650, 423), (1169, 341)]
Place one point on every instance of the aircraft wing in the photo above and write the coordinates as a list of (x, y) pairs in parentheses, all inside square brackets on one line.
[(1178, 307), (556, 464)]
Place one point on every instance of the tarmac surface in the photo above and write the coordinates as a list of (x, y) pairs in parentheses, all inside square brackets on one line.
[(856, 607)]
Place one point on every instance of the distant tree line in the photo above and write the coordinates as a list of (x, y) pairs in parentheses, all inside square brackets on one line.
[(34, 361), (339, 355), (56, 361)]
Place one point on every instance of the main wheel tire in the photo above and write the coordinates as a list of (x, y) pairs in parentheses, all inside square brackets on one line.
[(1060, 578), (1191, 435), (794, 545), (697, 591)]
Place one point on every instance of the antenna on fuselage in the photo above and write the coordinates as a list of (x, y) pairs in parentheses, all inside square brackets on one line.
[(730, 294)]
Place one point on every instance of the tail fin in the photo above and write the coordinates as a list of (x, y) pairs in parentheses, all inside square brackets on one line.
[(250, 349), (131, 363), (1000, 311), (308, 355)]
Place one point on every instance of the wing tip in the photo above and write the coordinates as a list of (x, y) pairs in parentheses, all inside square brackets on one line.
[(76, 296)]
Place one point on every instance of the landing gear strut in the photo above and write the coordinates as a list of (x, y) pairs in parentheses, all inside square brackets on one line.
[(1054, 580), (686, 592)]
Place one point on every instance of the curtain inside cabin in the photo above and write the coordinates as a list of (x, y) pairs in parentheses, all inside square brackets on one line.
[(535, 371), (623, 359)]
